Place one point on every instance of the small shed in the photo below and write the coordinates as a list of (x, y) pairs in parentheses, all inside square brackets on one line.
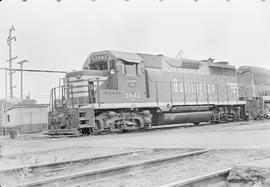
[(28, 118)]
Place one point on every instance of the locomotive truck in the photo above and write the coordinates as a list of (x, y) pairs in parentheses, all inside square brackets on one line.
[(120, 91)]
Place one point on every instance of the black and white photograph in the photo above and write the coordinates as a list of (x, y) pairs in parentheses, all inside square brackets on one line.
[(134, 93)]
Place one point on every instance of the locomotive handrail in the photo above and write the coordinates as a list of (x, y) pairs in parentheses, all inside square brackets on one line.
[(59, 101), (184, 92)]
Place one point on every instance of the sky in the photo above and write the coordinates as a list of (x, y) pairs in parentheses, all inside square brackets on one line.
[(60, 35)]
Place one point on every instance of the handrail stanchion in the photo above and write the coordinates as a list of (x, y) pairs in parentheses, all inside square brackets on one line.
[(171, 93), (98, 94), (54, 97), (196, 89), (227, 90), (157, 92), (184, 89), (207, 93), (72, 103), (90, 100), (217, 94), (62, 95)]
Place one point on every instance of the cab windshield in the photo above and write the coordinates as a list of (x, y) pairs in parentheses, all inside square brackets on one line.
[(99, 66), (102, 65)]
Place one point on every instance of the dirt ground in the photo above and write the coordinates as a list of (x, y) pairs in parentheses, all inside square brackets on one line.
[(232, 140), (252, 134)]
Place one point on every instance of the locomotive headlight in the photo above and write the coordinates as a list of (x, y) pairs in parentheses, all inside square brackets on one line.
[(78, 76), (112, 71)]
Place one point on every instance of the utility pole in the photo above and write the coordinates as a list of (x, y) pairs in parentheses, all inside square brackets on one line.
[(6, 92), (21, 63), (9, 42)]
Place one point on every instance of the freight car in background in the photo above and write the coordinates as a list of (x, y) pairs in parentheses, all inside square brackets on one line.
[(254, 88), (119, 91)]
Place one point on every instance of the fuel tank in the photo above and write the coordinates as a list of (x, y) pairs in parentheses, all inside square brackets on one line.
[(178, 118), (183, 109)]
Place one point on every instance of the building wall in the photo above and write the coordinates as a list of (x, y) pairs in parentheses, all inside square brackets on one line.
[(28, 120), (4, 104)]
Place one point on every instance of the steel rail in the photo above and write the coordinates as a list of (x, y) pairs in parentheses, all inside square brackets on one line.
[(202, 180), (107, 172), (64, 163)]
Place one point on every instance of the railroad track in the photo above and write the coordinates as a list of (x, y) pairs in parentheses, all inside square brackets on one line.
[(64, 164), (106, 172), (214, 179)]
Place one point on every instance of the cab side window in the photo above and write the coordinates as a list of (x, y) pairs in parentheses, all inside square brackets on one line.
[(131, 69), (112, 64)]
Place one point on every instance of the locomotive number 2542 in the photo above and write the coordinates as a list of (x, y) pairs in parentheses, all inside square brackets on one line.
[(132, 95)]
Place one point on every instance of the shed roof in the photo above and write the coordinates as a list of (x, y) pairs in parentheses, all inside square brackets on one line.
[(28, 106)]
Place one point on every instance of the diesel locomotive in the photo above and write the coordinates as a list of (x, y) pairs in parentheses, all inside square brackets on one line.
[(121, 91)]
